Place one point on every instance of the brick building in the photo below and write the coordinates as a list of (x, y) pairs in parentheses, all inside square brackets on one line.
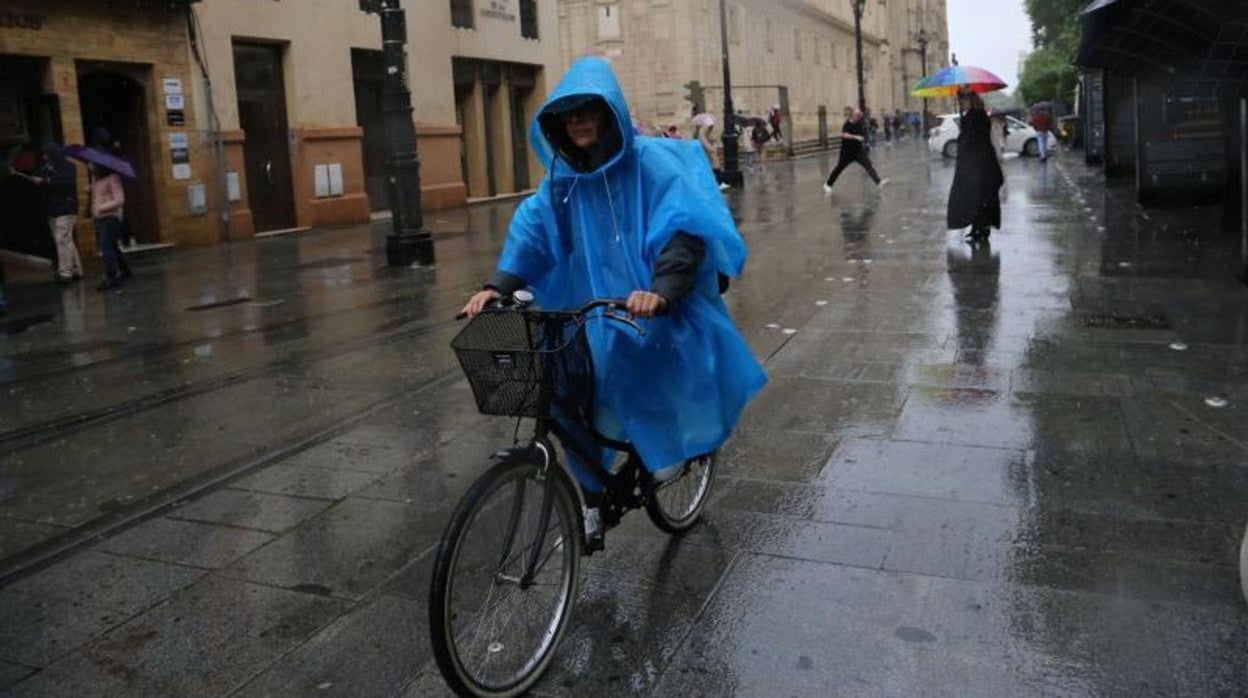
[(71, 66)]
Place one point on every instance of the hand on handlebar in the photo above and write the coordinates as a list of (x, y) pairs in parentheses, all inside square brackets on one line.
[(479, 300), (645, 304)]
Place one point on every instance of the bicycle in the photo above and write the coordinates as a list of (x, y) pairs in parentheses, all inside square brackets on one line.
[(523, 363)]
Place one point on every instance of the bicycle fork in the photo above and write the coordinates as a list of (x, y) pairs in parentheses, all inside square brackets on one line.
[(533, 559)]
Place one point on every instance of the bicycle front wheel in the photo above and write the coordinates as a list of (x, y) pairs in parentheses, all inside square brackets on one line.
[(675, 505), (505, 579)]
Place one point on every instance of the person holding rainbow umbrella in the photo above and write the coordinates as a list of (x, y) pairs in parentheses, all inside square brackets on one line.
[(974, 199)]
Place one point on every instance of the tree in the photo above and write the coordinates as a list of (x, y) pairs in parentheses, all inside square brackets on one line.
[(1047, 75), (1049, 72), (1051, 19)]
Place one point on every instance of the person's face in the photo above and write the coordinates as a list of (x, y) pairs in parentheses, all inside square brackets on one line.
[(584, 124), (857, 115)]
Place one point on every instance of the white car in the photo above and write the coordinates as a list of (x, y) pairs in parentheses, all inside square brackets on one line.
[(1020, 138)]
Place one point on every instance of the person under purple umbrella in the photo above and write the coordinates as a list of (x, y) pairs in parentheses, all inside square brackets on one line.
[(108, 202)]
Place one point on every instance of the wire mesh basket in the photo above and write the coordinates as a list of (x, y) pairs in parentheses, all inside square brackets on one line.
[(523, 363)]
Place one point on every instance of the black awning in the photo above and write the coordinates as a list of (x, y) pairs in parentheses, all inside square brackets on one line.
[(1206, 40)]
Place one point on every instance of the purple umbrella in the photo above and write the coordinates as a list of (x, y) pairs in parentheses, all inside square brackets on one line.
[(101, 158)]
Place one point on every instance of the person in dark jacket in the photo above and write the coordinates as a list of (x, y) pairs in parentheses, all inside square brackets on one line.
[(975, 198), (853, 149), (57, 180)]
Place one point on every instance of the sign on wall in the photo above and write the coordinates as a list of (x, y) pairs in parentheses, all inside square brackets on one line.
[(498, 9)]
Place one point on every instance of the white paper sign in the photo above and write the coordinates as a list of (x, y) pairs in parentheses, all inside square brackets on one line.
[(175, 102), (172, 86), (233, 191), (182, 171), (197, 199), (178, 139), (321, 177), (335, 179)]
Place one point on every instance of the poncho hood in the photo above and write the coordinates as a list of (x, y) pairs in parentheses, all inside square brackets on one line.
[(587, 79)]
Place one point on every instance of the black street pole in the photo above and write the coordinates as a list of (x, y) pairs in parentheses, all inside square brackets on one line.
[(859, 6), (408, 242), (923, 67), (731, 172)]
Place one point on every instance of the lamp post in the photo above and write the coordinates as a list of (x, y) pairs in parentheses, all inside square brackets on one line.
[(731, 173), (408, 241), (922, 40), (859, 8)]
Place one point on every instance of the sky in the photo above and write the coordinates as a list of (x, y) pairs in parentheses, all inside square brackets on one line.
[(990, 34)]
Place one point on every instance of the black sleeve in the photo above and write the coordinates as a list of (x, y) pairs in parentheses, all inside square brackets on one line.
[(676, 269), (505, 283)]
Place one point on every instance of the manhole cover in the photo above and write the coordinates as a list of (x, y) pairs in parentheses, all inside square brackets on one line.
[(219, 304), (331, 263), (1126, 322)]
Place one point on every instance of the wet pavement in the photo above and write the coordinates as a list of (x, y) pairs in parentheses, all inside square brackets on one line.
[(984, 471)]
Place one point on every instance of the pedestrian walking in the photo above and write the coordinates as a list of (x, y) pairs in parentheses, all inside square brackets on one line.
[(57, 180), (775, 119), (703, 128), (630, 218), (853, 149), (756, 141), (108, 202), (975, 198), (1042, 121)]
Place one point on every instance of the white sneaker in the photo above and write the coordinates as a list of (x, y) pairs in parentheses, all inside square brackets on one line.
[(724, 186), (883, 182), (826, 188)]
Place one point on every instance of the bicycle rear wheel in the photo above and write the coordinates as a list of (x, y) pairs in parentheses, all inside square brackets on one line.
[(505, 580), (675, 505)]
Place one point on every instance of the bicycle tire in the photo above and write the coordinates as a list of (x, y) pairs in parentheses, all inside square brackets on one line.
[(446, 649), (678, 522)]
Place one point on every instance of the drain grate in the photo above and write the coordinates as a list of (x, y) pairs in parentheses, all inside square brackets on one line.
[(219, 304), (1126, 322)]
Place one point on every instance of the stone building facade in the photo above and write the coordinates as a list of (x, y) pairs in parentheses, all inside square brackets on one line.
[(273, 106), (907, 21), (657, 46)]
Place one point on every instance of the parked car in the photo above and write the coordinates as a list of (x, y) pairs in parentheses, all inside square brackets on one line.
[(1019, 138)]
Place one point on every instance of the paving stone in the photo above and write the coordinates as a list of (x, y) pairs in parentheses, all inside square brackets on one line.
[(60, 608), (264, 512), (11, 673), (207, 640), (186, 542), (318, 483)]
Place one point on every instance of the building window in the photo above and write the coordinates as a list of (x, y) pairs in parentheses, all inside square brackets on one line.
[(734, 25), (461, 14), (818, 51), (769, 37), (528, 19), (608, 22), (797, 44)]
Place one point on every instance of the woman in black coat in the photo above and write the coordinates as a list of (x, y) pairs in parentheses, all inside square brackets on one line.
[(975, 198)]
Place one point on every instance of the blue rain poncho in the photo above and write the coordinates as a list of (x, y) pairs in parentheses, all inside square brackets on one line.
[(677, 392)]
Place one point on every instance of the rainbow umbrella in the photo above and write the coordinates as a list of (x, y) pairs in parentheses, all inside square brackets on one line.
[(947, 82)]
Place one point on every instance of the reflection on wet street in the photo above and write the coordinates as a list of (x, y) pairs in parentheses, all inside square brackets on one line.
[(1017, 468)]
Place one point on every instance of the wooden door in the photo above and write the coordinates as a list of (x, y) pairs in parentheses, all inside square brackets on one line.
[(266, 149)]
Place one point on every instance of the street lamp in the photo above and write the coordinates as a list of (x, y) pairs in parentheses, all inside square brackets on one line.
[(730, 172), (408, 241), (922, 40), (859, 8)]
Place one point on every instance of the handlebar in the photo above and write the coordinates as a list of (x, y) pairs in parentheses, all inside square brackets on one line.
[(613, 306)]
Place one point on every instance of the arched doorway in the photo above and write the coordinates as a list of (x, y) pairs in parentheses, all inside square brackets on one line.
[(114, 102)]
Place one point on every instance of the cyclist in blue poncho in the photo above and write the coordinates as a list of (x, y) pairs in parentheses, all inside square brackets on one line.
[(623, 216)]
